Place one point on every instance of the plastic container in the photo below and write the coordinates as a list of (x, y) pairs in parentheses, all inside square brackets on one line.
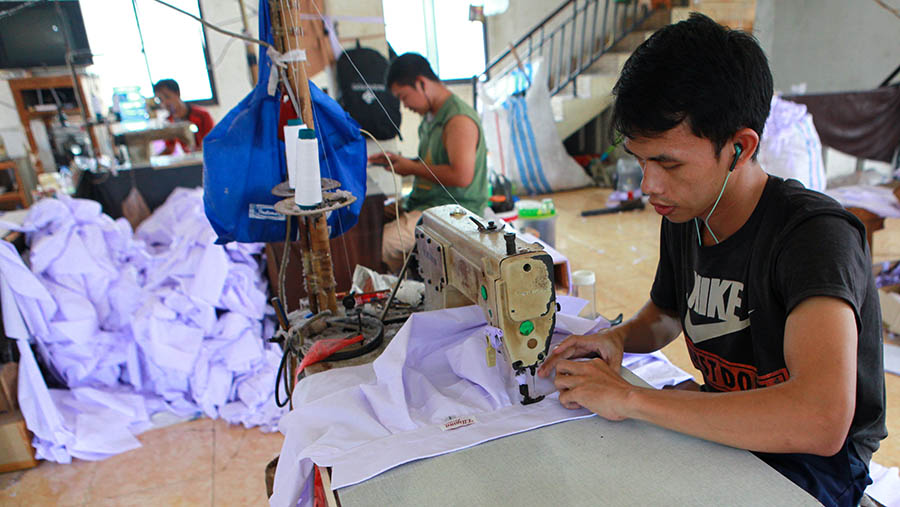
[(538, 218), (584, 286), (628, 175)]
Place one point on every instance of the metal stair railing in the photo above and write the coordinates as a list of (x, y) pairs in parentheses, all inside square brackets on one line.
[(556, 39)]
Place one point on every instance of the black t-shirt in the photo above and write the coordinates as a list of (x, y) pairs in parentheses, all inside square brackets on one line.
[(733, 298)]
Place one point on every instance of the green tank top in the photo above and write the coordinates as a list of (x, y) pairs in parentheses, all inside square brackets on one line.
[(426, 193)]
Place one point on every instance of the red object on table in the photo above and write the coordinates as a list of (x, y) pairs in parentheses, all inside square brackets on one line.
[(324, 348)]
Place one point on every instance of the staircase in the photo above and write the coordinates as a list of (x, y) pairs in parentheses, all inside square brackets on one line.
[(586, 43)]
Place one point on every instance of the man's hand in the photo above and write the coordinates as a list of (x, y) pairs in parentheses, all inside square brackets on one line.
[(402, 165), (593, 385), (608, 345)]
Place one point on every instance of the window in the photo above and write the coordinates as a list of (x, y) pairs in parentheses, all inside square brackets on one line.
[(138, 42), (440, 31)]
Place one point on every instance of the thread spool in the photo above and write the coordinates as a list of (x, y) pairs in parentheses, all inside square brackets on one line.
[(290, 148), (308, 192)]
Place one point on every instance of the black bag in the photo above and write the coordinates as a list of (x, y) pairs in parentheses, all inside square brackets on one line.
[(358, 99)]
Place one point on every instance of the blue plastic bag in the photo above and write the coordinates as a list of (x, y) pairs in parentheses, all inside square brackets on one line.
[(243, 159), (342, 155)]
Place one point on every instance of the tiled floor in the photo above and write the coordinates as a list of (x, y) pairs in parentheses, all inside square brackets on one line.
[(206, 462), (201, 462)]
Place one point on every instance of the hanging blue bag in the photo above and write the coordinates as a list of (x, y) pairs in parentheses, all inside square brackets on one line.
[(342, 156), (243, 159)]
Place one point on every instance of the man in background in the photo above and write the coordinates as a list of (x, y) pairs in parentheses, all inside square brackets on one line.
[(452, 163), (169, 95)]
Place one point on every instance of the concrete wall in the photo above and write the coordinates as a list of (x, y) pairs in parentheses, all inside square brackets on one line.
[(521, 16), (228, 59), (832, 45)]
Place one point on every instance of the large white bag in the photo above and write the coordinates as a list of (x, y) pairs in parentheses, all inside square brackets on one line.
[(790, 146), (521, 136)]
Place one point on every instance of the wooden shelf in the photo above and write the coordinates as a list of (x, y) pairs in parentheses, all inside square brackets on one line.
[(13, 196), (10, 197), (22, 86), (75, 112)]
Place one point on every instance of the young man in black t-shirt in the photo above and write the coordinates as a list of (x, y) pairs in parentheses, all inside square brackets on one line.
[(769, 282)]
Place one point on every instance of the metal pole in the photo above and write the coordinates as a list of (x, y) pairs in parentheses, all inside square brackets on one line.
[(550, 80), (542, 41), (572, 60), (584, 19), (594, 29), (603, 27), (562, 55)]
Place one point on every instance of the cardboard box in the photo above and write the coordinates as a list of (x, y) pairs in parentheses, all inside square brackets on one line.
[(16, 452)]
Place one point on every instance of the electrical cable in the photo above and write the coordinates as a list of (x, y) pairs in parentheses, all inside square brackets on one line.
[(18, 8), (285, 253), (216, 28), (396, 189)]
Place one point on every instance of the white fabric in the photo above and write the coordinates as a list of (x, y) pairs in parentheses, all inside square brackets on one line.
[(790, 146), (878, 200), (521, 136), (885, 487), (132, 324), (366, 419)]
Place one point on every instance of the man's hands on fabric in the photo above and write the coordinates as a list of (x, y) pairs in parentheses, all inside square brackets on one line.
[(596, 384), (608, 345), (593, 385), (402, 165)]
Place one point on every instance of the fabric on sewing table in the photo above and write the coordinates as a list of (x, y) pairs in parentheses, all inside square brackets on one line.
[(366, 419)]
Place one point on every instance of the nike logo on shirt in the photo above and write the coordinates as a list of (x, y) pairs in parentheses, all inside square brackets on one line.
[(708, 298), (701, 332)]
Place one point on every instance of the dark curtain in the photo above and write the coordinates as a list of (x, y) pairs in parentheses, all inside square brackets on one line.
[(864, 124)]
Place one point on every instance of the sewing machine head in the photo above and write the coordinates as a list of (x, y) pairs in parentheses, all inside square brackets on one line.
[(465, 260), (137, 136)]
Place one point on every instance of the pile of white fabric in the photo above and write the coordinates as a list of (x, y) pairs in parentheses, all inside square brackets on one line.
[(162, 319)]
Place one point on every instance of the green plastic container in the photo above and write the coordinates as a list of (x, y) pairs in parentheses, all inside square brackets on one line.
[(538, 218)]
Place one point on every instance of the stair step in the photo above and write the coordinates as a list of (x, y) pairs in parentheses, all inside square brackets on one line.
[(738, 14), (658, 19), (632, 41), (594, 84), (610, 63), (575, 112)]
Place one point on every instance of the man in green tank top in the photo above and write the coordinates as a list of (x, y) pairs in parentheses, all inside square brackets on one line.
[(451, 166)]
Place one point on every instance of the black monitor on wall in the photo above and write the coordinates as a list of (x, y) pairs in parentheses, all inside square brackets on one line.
[(33, 34)]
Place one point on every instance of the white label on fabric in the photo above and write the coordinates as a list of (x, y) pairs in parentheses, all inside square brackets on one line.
[(458, 422), (265, 212)]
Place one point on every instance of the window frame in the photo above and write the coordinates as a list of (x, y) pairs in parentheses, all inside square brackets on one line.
[(424, 51)]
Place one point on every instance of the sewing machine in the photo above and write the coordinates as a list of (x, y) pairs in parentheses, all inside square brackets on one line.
[(465, 259), (137, 136)]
